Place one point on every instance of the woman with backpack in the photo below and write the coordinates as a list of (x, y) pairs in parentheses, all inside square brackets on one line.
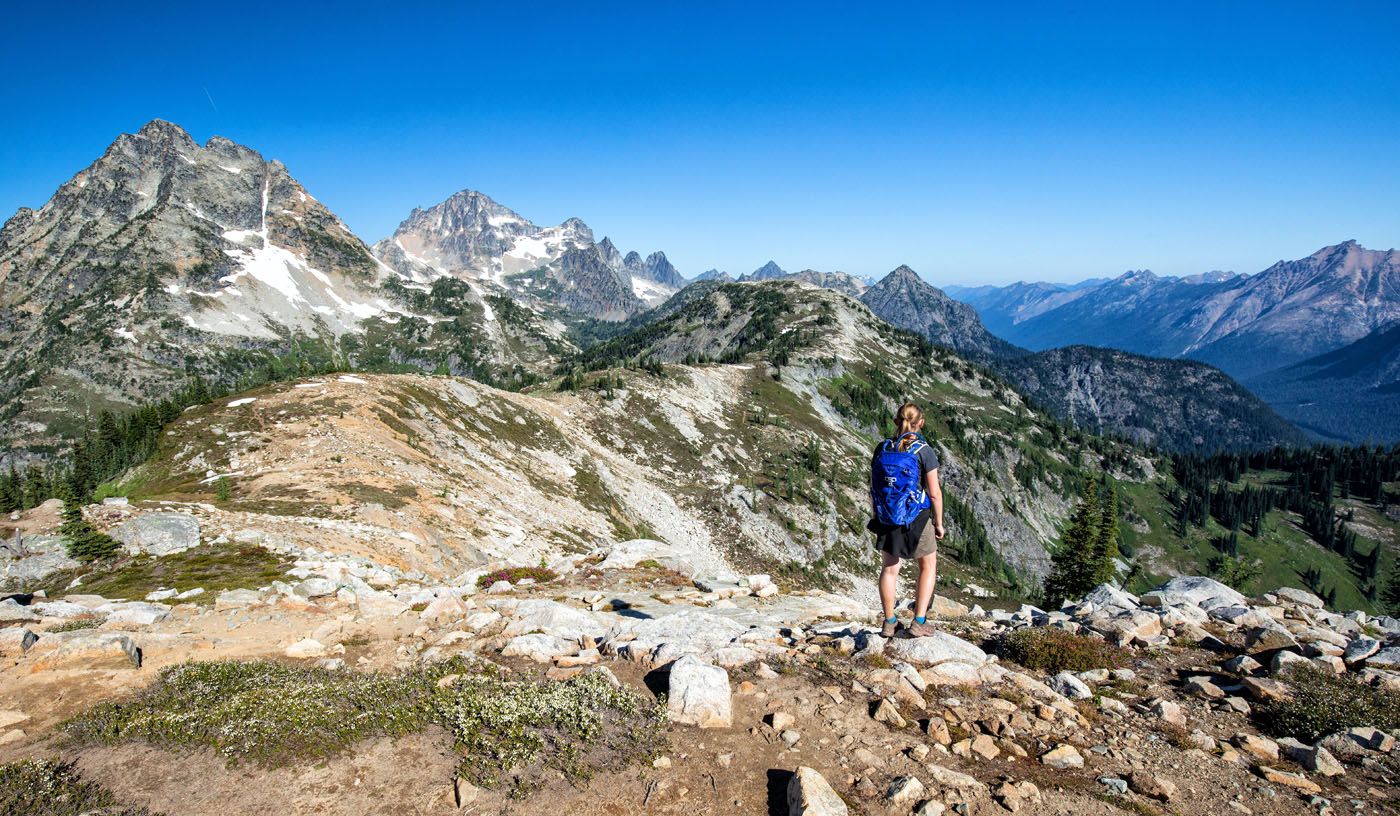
[(907, 503)]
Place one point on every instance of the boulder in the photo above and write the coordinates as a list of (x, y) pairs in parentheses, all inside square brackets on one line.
[(659, 640), (315, 586), (698, 694), (306, 647), (1203, 592), (448, 608), (1314, 758), (904, 792), (1151, 785), (33, 557), (1262, 639), (937, 649), (1283, 661), (809, 794), (1385, 659), (1360, 649), (540, 648), (1261, 748), (236, 599), (1070, 686), (554, 618), (1291, 780), (1062, 757), (135, 613), (1299, 597), (12, 612), (60, 609), (158, 533), (1110, 596), (84, 649)]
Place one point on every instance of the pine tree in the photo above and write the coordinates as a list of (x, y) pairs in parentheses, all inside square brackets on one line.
[(85, 543), (1106, 539), (1390, 599), (1074, 565)]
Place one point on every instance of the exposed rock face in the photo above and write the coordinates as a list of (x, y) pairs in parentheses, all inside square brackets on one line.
[(30, 558), (909, 302), (1174, 405), (158, 533)]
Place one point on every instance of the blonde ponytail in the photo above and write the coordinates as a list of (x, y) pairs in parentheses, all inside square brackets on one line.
[(908, 419)]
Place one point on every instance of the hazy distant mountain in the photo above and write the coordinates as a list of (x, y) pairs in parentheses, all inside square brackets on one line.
[(1175, 405), (769, 271), (1351, 394), (1002, 307), (1244, 324), (713, 274), (910, 302)]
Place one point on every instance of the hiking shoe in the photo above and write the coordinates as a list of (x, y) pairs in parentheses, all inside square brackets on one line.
[(890, 629), (918, 630)]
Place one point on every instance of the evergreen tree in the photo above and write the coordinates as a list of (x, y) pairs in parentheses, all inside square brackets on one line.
[(1390, 599), (1106, 538), (85, 543), (1074, 565)]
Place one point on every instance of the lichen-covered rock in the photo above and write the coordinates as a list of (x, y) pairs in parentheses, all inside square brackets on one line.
[(34, 557), (158, 533)]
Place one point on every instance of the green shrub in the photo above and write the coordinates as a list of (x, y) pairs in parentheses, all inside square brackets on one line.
[(542, 575), (44, 787), (274, 714), (1052, 650), (1323, 703), (79, 622)]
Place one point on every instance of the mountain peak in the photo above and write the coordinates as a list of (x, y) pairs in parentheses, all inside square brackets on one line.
[(903, 271), (161, 130), (768, 271)]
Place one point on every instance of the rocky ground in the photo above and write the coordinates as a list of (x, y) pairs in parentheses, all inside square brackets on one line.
[(777, 701)]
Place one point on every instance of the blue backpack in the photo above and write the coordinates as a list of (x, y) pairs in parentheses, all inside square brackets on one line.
[(895, 484)]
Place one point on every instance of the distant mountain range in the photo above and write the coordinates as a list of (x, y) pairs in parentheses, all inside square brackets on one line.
[(166, 258), (1254, 327)]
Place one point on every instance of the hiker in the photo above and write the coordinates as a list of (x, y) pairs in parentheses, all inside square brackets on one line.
[(907, 505)]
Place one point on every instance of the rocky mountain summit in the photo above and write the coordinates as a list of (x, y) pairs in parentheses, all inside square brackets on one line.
[(1191, 699), (472, 238), (909, 302)]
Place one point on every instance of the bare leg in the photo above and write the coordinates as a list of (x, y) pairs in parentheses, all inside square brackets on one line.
[(889, 583), (928, 576)]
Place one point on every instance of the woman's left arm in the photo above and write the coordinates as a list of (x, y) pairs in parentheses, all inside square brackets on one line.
[(935, 494)]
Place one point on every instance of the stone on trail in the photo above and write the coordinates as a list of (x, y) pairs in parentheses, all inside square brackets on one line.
[(1062, 757), (315, 586), (1070, 686), (1152, 786), (307, 647), (940, 647), (15, 641), (236, 599), (137, 613), (904, 792), (1291, 780), (809, 794), (538, 647), (699, 694), (445, 608), (1261, 748), (1314, 758), (84, 649), (554, 618), (158, 533)]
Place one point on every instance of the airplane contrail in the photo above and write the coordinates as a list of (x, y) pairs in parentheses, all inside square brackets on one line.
[(211, 100)]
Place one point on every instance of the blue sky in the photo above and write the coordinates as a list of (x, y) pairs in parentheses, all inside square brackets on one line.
[(1015, 141)]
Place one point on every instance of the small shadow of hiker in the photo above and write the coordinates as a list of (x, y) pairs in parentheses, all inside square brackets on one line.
[(778, 780)]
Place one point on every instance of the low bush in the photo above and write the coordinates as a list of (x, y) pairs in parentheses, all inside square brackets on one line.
[(1323, 703), (541, 575), (1052, 650), (44, 787), (80, 622), (506, 729)]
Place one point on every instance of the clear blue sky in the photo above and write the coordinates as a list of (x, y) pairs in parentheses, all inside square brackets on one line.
[(1042, 140)]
